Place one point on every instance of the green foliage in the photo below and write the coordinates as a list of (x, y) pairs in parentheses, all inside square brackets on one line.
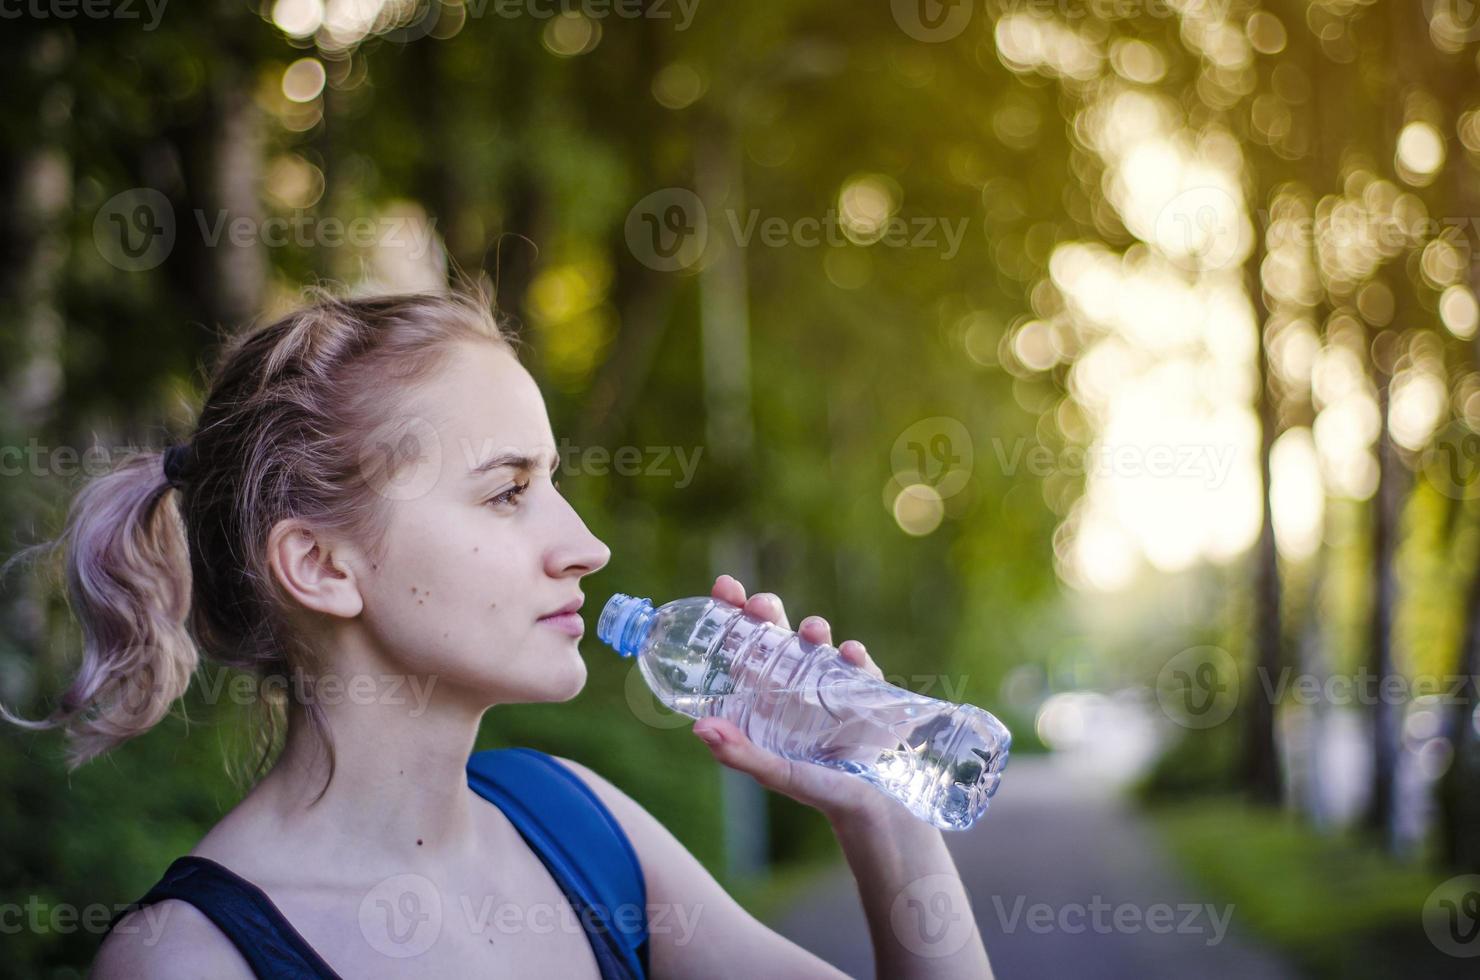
[(1336, 906), (1200, 762)]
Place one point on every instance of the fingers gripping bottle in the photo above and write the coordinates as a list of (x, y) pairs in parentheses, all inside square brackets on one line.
[(704, 657)]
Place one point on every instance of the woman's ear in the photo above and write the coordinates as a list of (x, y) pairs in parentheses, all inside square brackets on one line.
[(312, 570)]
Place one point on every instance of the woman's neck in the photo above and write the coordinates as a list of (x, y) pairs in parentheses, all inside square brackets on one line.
[(399, 788)]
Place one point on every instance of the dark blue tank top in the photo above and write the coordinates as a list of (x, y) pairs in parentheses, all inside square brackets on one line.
[(562, 821)]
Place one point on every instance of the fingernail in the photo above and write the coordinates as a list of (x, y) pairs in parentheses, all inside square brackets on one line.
[(709, 736)]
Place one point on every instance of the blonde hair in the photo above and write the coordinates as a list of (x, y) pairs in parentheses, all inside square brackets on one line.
[(155, 573)]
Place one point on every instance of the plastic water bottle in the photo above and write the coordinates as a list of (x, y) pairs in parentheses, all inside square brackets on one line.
[(803, 701)]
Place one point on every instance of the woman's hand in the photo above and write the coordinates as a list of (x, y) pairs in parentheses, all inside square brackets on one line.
[(837, 794), (894, 857)]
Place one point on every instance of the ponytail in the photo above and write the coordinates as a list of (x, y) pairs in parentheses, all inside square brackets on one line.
[(128, 584)]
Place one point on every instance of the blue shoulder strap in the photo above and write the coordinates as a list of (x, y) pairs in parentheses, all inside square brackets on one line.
[(581, 843), (241, 910)]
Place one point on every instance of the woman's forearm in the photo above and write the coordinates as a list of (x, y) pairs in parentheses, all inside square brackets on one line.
[(919, 917)]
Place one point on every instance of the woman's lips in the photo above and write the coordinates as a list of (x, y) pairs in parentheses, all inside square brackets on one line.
[(568, 623)]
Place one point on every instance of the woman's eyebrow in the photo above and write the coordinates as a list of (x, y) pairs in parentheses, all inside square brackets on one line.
[(518, 461)]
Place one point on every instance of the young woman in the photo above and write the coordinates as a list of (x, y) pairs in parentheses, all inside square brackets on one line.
[(367, 507)]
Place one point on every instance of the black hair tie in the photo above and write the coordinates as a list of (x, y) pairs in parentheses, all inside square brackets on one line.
[(175, 458)]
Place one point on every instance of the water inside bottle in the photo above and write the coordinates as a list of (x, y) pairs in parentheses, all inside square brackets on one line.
[(803, 701)]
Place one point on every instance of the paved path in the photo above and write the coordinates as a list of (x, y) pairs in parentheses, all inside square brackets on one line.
[(1058, 860)]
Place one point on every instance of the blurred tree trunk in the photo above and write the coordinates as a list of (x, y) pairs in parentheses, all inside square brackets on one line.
[(1314, 663), (241, 273), (511, 250), (1261, 775), (219, 153), (644, 299), (1387, 500), (37, 195), (1386, 503), (39, 186), (438, 176), (724, 315), (1459, 789), (37, 191)]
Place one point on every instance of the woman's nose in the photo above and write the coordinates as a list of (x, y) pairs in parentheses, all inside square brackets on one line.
[(581, 554)]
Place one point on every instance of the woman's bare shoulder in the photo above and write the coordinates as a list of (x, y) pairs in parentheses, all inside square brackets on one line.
[(169, 940)]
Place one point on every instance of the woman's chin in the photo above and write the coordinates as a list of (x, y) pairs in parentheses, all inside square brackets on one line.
[(574, 678), (550, 678)]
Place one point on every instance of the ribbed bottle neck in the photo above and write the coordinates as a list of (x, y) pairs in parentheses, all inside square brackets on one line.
[(624, 623)]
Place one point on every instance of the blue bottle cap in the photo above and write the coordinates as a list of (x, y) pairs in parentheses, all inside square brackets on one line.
[(623, 623)]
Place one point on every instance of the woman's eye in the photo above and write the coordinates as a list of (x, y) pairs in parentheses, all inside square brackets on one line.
[(507, 497)]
